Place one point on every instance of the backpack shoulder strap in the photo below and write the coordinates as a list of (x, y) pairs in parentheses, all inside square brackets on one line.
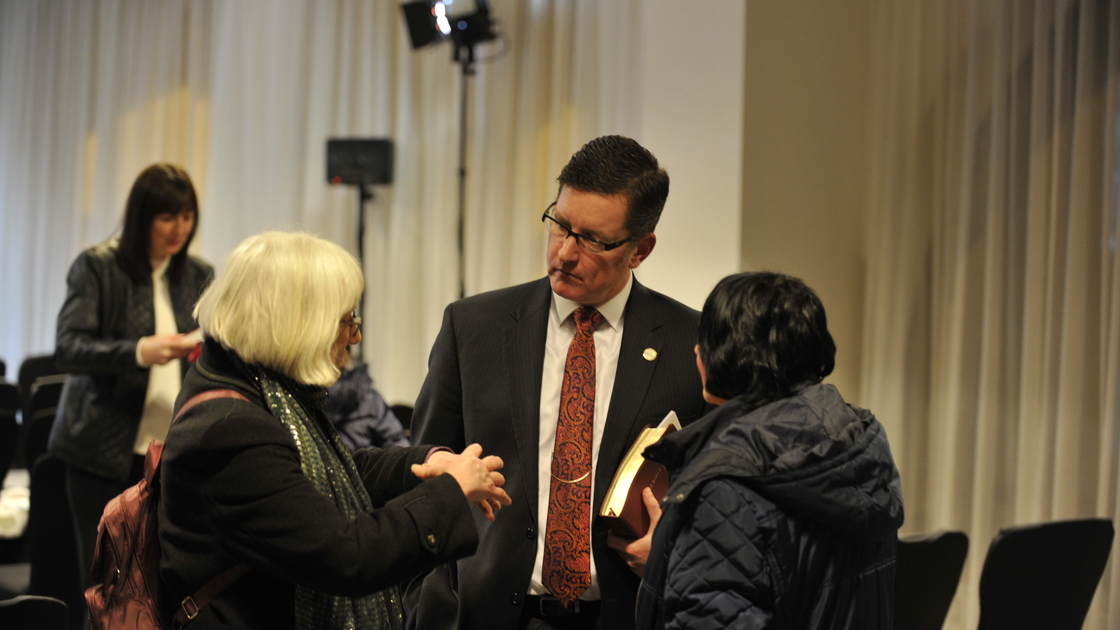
[(191, 605), (209, 394)]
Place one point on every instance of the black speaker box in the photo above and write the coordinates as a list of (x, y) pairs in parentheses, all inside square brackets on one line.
[(359, 161)]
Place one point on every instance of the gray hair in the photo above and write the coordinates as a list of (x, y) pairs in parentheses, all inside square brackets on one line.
[(278, 303)]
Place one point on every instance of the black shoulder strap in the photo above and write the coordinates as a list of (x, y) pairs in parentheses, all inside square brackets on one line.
[(192, 604)]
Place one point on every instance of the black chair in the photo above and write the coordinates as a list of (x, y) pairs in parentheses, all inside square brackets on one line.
[(9, 425), (51, 538), (404, 414), (51, 566), (33, 612), (929, 569), (1045, 575), (11, 549), (31, 368), (45, 393)]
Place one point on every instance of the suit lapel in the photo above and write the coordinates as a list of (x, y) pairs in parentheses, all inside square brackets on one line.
[(524, 341), (641, 332)]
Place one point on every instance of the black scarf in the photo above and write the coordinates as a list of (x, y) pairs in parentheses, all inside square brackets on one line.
[(328, 464)]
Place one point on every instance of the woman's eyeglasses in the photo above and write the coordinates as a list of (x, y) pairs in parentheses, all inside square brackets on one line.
[(355, 323)]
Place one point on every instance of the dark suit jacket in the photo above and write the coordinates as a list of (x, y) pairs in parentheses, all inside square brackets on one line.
[(483, 385)]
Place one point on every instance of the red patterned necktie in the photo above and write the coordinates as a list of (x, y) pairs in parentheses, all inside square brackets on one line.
[(567, 540)]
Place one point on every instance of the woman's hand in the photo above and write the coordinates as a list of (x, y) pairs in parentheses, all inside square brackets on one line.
[(636, 551), (160, 349), (478, 477)]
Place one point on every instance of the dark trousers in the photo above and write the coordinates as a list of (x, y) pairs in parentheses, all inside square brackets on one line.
[(88, 494)]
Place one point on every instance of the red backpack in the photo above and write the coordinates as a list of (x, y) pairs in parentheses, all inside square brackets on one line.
[(127, 589)]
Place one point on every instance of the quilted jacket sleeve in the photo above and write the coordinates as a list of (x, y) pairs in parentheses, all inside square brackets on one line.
[(87, 336), (718, 574)]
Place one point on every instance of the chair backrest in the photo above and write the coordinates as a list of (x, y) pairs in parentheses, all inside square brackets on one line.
[(45, 393), (54, 546), (928, 571), (33, 612), (31, 368), (1045, 575), (404, 414), (9, 426)]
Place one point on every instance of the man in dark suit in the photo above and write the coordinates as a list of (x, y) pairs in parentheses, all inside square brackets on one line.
[(497, 376)]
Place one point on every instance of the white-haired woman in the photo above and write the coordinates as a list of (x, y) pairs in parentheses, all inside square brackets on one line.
[(267, 483)]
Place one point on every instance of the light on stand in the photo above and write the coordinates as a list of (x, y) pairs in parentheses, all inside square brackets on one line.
[(465, 23)]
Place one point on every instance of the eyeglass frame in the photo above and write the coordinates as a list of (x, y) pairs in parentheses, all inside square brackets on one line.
[(355, 323), (582, 240)]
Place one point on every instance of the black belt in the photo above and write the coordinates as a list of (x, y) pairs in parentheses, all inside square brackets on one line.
[(548, 607)]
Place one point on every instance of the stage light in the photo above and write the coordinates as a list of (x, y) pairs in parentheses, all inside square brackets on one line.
[(464, 22)]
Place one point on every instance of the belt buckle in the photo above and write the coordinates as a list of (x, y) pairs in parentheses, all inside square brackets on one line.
[(551, 607), (189, 607)]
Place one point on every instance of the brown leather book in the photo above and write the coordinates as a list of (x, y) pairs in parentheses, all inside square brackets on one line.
[(623, 508)]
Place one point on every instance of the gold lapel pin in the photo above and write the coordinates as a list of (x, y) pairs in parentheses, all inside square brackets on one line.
[(649, 354)]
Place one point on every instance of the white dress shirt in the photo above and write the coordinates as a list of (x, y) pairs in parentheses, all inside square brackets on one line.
[(608, 340), (164, 380)]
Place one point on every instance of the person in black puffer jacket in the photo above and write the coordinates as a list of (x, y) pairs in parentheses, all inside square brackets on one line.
[(784, 502)]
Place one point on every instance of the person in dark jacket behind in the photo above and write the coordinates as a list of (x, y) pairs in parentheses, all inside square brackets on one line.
[(784, 502), (359, 413)]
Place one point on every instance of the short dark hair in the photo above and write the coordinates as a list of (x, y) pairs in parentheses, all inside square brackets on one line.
[(159, 189), (762, 334), (612, 165)]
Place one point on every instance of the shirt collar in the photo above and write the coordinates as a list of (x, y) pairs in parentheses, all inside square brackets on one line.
[(160, 270), (611, 311)]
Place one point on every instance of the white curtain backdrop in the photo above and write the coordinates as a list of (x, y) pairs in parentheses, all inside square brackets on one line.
[(991, 337), (992, 330), (244, 95)]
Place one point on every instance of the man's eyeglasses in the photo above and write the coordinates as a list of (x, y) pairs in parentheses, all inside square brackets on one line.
[(355, 323), (589, 244)]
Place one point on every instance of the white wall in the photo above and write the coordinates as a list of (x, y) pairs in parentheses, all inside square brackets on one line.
[(805, 139), (691, 96), (758, 110)]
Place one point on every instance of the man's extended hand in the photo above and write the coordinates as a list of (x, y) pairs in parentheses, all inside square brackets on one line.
[(635, 551)]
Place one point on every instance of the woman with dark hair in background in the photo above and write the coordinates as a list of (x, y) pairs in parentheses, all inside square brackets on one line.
[(123, 338), (784, 502)]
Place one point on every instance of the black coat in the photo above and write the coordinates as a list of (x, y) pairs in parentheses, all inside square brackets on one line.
[(233, 493), (483, 385), (104, 315), (786, 516)]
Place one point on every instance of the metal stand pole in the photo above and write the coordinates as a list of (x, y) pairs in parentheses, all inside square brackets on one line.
[(365, 193), (465, 56)]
